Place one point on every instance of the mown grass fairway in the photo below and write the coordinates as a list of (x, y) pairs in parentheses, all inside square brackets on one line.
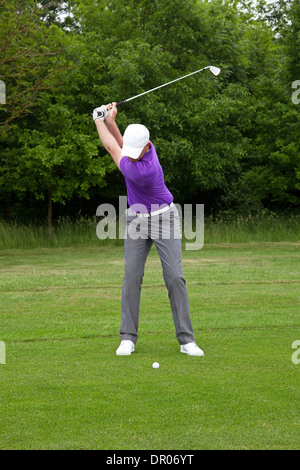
[(63, 387)]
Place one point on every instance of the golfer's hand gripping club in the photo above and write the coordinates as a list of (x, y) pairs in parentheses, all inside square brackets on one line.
[(100, 113)]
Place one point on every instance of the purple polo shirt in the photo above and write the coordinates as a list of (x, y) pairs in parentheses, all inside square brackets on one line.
[(145, 182)]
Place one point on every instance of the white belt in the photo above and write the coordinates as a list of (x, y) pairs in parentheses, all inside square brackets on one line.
[(151, 214)]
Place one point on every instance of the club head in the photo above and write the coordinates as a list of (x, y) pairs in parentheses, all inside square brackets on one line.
[(214, 70)]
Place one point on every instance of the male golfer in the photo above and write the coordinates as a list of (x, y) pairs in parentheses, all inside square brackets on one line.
[(151, 218)]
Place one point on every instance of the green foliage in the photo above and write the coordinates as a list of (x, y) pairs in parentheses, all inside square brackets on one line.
[(231, 140), (32, 57)]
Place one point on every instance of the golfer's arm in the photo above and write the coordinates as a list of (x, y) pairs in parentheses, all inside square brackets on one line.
[(109, 142), (114, 130)]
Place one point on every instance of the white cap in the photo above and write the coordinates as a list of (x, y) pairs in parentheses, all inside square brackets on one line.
[(135, 137)]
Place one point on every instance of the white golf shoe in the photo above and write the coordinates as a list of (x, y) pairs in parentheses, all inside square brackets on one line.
[(191, 349), (126, 348)]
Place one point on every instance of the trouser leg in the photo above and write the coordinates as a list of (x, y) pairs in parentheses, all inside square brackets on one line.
[(135, 255), (166, 234), (170, 256)]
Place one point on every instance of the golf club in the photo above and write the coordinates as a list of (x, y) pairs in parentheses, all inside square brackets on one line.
[(214, 70)]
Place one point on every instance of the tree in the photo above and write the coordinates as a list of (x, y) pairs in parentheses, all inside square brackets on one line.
[(48, 148), (274, 173), (30, 56), (232, 140)]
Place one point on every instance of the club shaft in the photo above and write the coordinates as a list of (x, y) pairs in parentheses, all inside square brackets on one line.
[(161, 86)]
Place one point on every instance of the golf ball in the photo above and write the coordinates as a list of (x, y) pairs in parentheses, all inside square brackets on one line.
[(155, 365)]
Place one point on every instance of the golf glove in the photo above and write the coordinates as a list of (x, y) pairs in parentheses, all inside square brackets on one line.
[(100, 113)]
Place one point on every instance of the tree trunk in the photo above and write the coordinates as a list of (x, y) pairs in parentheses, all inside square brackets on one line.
[(8, 205), (49, 213), (80, 205)]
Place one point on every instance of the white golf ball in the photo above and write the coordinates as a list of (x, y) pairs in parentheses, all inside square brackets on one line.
[(155, 365)]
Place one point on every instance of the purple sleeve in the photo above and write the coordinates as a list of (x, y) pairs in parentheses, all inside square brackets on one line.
[(133, 171)]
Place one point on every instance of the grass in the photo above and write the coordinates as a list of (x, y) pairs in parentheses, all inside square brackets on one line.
[(263, 227), (63, 387)]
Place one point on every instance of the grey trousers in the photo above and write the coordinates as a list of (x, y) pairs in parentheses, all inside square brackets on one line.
[(164, 231)]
